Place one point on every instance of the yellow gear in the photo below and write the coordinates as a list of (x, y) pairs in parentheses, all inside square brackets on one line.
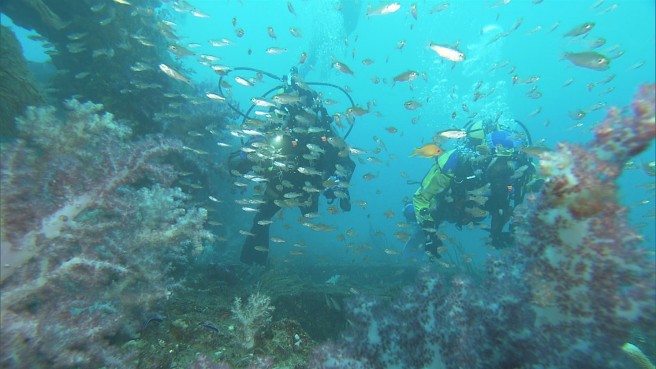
[(433, 183)]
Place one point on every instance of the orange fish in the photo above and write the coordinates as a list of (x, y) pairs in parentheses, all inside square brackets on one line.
[(428, 151)]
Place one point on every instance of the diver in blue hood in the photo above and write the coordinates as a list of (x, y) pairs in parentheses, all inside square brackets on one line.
[(487, 176)]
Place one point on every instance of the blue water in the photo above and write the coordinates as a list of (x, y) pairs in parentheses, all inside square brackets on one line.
[(447, 87), (346, 34), (502, 42)]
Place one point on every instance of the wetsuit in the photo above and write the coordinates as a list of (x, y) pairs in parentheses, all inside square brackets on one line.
[(300, 151), (444, 194)]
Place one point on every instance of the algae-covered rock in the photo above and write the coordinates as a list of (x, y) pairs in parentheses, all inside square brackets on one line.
[(17, 89)]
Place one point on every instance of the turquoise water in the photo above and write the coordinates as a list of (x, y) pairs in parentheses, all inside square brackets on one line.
[(513, 68), (535, 48)]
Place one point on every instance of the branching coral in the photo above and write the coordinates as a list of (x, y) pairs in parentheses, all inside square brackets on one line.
[(89, 222), (252, 317)]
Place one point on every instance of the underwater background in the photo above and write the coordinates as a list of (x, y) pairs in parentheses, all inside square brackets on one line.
[(121, 221)]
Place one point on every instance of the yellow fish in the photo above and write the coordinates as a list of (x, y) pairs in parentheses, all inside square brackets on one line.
[(428, 151)]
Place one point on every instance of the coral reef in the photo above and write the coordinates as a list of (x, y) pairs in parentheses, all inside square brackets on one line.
[(90, 229), (251, 317), (202, 362), (567, 297)]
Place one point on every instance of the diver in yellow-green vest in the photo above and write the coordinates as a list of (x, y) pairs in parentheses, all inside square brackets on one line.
[(487, 174)]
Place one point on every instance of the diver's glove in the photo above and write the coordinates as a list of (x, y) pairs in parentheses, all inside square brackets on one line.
[(424, 214), (329, 192), (345, 201), (502, 240), (431, 244)]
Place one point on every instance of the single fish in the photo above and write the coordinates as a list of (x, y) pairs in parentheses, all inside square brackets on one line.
[(220, 43), (439, 8), (180, 51), (276, 50), (295, 32), (383, 9), (209, 326), (173, 73), (215, 97), (244, 82), (412, 105), (271, 33), (198, 14), (427, 151), (447, 53), (286, 99), (413, 10), (262, 102), (580, 30), (356, 111), (454, 133), (342, 67), (406, 76), (589, 59), (290, 7)]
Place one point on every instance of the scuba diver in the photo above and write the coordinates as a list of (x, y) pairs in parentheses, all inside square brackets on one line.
[(488, 175), (299, 156)]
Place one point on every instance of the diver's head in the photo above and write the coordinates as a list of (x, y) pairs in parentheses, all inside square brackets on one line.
[(291, 78), (503, 143), (487, 137)]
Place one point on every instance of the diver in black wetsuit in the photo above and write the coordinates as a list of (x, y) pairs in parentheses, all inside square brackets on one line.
[(299, 156)]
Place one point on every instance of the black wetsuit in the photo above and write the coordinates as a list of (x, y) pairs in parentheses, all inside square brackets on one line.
[(503, 195), (281, 181)]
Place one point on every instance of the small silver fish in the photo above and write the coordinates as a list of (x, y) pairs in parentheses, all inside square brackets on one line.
[(589, 59), (173, 73)]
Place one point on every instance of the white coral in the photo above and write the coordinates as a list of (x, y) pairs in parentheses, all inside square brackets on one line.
[(252, 317)]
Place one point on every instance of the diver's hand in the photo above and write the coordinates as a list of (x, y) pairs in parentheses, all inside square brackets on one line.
[(423, 213), (345, 201), (329, 193), (502, 240), (432, 243)]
